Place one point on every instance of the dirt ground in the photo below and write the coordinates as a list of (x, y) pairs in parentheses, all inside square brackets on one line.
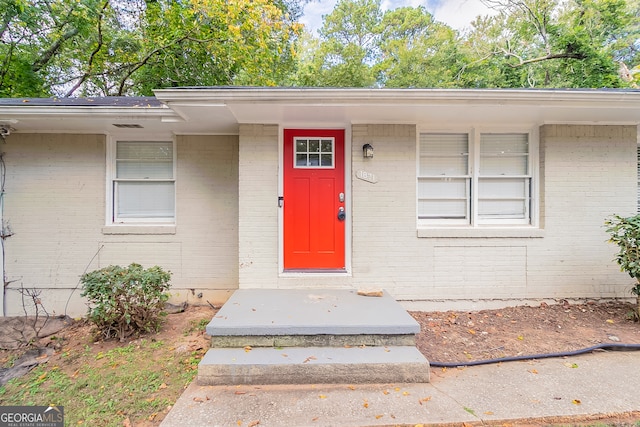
[(452, 336), (469, 336)]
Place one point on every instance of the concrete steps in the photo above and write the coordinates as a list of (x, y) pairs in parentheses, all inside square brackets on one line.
[(306, 336), (313, 365)]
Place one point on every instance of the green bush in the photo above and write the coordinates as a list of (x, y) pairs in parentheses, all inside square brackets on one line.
[(125, 301), (625, 232)]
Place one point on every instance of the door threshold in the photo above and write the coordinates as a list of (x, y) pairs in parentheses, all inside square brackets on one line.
[(315, 270)]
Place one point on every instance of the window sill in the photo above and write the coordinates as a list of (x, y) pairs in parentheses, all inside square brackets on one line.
[(139, 229), (483, 233)]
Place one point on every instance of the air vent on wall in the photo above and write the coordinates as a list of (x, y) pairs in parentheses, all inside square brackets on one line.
[(128, 125)]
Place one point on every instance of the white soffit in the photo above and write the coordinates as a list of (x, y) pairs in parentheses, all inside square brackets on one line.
[(291, 106), (221, 110)]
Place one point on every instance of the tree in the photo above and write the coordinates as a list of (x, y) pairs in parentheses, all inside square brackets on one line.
[(347, 50), (416, 51), (108, 47), (548, 43), (360, 46)]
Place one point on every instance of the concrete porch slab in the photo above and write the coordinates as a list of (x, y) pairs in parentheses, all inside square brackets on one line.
[(291, 312)]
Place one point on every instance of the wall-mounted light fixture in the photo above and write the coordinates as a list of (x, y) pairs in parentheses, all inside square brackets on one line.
[(367, 151), (5, 131)]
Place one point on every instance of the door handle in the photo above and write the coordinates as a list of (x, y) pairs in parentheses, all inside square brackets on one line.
[(341, 214)]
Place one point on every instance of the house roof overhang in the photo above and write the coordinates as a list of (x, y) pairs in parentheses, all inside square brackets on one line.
[(203, 110)]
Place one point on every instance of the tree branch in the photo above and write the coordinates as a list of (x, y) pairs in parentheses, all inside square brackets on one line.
[(564, 55), (95, 51), (49, 53), (144, 61)]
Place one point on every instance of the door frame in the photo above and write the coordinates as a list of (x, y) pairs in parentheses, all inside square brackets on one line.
[(347, 204)]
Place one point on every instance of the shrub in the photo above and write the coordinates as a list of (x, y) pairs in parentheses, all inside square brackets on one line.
[(625, 232), (125, 301)]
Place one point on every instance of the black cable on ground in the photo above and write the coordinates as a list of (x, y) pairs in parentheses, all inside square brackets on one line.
[(614, 347)]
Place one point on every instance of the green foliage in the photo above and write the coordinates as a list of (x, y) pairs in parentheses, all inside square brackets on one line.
[(347, 49), (124, 301), (625, 232), (530, 43), (129, 47), (552, 43), (416, 50)]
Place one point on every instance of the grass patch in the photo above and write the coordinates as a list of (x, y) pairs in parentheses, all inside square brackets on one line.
[(134, 381), (196, 326)]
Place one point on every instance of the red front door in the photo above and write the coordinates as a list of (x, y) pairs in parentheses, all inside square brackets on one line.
[(314, 199)]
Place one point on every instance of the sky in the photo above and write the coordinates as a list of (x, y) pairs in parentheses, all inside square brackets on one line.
[(457, 14)]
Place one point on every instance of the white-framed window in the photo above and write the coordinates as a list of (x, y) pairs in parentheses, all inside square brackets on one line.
[(476, 178), (141, 181), (314, 153)]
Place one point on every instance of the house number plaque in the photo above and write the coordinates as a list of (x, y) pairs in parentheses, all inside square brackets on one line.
[(367, 176)]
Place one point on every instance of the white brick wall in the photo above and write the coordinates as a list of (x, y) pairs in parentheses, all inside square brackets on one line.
[(588, 173), (258, 222), (55, 204)]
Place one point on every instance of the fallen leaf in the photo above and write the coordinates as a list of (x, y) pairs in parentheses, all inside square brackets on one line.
[(352, 387), (610, 321), (253, 423), (162, 386), (239, 422), (240, 392), (397, 389), (405, 393), (385, 392), (315, 418), (488, 413), (571, 365), (322, 396), (247, 348), (308, 359), (365, 404), (520, 337), (424, 400), (444, 369), (576, 402), (379, 416), (198, 399), (472, 332), (533, 371)]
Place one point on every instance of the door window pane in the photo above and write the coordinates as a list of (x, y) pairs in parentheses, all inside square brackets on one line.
[(314, 153)]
